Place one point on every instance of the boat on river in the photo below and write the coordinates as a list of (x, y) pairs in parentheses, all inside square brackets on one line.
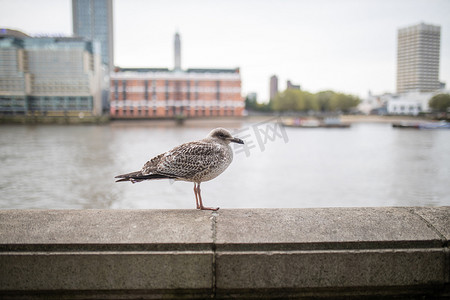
[(423, 125)]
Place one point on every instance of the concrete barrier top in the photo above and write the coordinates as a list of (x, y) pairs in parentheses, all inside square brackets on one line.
[(231, 229), (389, 252)]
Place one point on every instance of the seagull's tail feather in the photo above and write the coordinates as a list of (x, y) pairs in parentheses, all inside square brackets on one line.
[(138, 176), (127, 177)]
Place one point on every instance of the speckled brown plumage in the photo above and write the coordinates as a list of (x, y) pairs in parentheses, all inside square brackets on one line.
[(197, 162)]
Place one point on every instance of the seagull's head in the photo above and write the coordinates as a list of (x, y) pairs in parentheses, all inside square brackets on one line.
[(224, 135)]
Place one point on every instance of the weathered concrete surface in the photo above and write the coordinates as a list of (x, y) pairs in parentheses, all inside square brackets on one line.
[(153, 252), (180, 229), (325, 269), (352, 249), (106, 270), (437, 217), (253, 253), (314, 228)]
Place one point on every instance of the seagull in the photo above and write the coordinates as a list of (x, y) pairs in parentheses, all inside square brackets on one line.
[(195, 162)]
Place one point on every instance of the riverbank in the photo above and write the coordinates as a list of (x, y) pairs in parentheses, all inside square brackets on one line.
[(59, 120), (231, 122), (209, 122), (234, 122), (380, 119)]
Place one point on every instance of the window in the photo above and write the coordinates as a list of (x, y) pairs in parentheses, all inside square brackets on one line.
[(124, 89), (167, 89), (218, 90), (146, 90), (116, 89)]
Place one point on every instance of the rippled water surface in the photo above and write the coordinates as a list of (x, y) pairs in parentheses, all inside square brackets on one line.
[(367, 165)]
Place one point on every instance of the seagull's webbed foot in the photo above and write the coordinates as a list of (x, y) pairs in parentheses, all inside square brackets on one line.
[(209, 208), (198, 199)]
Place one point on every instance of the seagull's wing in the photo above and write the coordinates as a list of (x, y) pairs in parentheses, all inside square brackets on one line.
[(189, 159), (151, 165)]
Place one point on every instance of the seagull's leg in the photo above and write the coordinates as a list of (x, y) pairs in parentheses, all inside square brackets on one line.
[(196, 197), (201, 202)]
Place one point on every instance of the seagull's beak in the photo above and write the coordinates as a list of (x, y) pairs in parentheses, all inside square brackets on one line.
[(236, 140)]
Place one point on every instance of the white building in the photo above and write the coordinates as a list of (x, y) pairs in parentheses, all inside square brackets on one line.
[(409, 103), (374, 102)]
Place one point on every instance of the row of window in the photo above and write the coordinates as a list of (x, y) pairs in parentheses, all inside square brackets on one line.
[(60, 103), (130, 112), (177, 89), (190, 94), (46, 104), (12, 105), (405, 108)]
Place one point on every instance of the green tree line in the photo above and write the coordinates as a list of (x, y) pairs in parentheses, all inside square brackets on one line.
[(298, 100), (440, 102)]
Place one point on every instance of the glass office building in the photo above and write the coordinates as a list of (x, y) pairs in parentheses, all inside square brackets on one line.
[(93, 20), (61, 69), (52, 76), (12, 74)]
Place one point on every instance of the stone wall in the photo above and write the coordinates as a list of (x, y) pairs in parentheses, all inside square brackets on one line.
[(395, 252)]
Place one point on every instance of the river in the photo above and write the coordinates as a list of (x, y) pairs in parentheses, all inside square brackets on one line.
[(369, 164)]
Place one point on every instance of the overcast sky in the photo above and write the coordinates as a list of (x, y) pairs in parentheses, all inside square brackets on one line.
[(343, 45)]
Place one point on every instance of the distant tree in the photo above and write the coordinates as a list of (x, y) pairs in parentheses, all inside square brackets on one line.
[(332, 101), (289, 100), (343, 102), (298, 100), (294, 100), (311, 102), (252, 103), (265, 107), (440, 102), (323, 100)]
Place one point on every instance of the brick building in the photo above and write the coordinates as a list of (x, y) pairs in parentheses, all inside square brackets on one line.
[(164, 93)]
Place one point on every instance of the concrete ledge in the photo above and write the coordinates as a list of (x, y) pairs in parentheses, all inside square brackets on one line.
[(393, 252)]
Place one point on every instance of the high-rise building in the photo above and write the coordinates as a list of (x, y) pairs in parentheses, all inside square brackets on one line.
[(291, 86), (273, 87), (13, 73), (177, 50), (93, 20), (418, 51), (48, 76)]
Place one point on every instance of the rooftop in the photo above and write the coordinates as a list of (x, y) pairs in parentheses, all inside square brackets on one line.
[(6, 32), (164, 70)]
